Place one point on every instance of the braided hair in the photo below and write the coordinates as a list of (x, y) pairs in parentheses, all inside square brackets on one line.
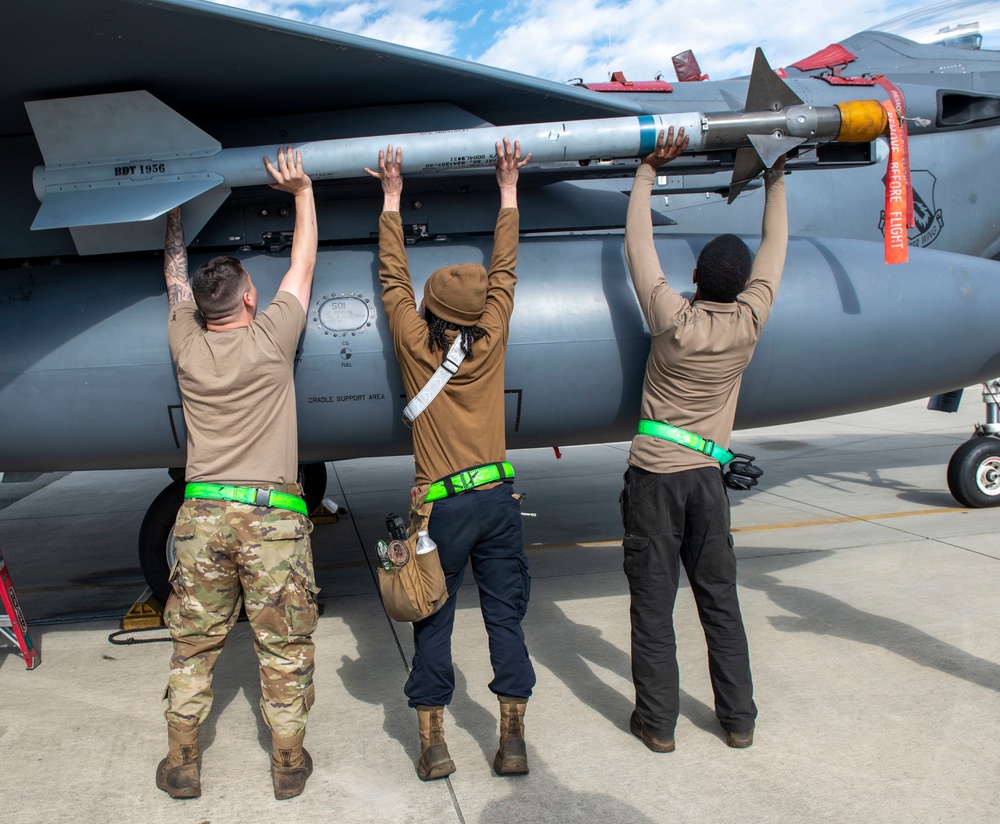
[(436, 328)]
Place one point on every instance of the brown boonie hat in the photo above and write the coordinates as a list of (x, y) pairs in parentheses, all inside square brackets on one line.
[(457, 293)]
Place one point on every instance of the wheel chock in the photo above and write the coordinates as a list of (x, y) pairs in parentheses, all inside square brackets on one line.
[(328, 512), (146, 613)]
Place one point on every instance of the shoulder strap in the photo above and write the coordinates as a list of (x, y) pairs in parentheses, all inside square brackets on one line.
[(430, 391)]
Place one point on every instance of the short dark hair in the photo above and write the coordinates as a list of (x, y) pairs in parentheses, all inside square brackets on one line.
[(218, 287), (723, 269)]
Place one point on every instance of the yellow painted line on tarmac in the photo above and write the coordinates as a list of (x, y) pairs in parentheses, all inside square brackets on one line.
[(768, 527), (848, 519)]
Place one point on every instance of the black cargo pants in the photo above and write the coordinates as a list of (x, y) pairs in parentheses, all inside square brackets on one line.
[(683, 516)]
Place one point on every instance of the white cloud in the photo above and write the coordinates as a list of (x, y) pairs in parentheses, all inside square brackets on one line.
[(559, 39), (276, 8), (420, 24), (403, 28)]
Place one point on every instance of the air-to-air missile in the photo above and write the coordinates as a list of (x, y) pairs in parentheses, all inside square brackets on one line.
[(127, 157)]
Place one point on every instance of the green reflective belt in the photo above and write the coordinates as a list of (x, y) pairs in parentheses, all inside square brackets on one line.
[(666, 432), (247, 495), (469, 479)]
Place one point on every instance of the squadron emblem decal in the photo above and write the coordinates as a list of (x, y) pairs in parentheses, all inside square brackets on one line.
[(928, 221)]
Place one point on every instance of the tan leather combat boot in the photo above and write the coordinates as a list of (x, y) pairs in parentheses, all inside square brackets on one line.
[(291, 765), (512, 756), (435, 761), (178, 774)]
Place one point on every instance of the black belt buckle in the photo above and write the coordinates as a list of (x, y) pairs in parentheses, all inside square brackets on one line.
[(263, 497)]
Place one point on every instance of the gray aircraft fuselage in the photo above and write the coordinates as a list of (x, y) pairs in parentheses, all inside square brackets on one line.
[(86, 379)]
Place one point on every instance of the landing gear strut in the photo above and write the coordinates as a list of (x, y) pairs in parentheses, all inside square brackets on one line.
[(156, 535), (974, 469)]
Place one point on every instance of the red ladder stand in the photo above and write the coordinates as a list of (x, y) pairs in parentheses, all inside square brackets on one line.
[(12, 625)]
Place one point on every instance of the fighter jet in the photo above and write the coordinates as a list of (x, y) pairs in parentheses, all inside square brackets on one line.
[(103, 103)]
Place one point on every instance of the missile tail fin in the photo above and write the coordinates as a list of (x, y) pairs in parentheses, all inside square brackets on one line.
[(734, 103), (105, 128), (767, 91), (747, 166), (772, 146), (148, 234), (96, 205), (130, 130)]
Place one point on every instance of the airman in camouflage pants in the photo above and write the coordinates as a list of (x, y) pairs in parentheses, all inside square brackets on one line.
[(222, 549)]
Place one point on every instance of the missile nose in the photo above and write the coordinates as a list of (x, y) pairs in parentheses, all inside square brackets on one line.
[(861, 121)]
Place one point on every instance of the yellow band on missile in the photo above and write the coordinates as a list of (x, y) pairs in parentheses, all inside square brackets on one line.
[(861, 121)]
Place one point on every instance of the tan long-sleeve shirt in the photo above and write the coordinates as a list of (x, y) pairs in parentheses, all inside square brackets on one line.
[(698, 349), (464, 425)]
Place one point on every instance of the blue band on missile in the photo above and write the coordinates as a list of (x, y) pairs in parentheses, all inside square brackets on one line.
[(647, 134)]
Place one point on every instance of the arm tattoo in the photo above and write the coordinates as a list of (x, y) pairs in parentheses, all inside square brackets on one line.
[(175, 261)]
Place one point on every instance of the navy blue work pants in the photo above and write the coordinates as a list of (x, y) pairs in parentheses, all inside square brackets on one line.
[(484, 526), (683, 516)]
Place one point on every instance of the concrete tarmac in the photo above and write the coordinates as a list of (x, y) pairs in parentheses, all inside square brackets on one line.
[(868, 594)]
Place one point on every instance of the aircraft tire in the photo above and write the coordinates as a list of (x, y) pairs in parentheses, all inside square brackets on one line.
[(313, 479), (974, 472), (156, 539)]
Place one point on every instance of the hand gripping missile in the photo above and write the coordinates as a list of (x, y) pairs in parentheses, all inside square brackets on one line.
[(126, 158)]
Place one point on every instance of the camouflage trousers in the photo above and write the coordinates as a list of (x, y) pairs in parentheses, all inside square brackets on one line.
[(228, 552)]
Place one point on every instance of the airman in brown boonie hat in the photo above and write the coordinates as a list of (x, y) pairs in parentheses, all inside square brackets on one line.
[(462, 431), (457, 293)]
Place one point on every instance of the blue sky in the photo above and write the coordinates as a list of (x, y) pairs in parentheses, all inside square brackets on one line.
[(562, 39)]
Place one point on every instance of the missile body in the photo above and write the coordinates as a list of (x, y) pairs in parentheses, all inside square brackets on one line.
[(127, 158), (428, 152), (732, 130)]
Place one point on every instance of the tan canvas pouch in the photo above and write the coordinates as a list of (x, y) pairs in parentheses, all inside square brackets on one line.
[(417, 589)]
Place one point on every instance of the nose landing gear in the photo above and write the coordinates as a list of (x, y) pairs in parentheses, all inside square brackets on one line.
[(974, 468)]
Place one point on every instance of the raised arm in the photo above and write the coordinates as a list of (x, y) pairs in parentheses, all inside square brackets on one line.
[(289, 177), (393, 269), (503, 262), (175, 261), (391, 176), (659, 303), (774, 224), (509, 165), (768, 264)]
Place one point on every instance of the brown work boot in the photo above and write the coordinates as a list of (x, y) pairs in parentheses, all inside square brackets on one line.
[(739, 740), (291, 765), (512, 756), (641, 731), (435, 760), (178, 774)]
